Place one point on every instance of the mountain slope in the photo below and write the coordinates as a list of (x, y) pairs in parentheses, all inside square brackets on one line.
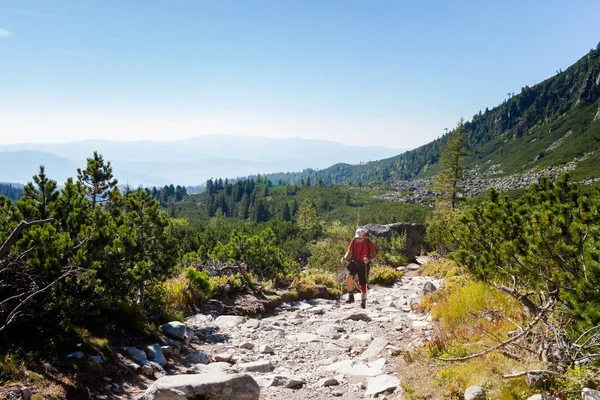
[(551, 123)]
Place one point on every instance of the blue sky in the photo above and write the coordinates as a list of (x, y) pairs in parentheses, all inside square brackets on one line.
[(390, 73)]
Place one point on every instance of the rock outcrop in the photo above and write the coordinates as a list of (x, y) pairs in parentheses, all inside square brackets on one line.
[(415, 235)]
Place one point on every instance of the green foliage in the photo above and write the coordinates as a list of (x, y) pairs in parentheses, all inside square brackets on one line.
[(447, 183), (12, 191), (390, 251), (326, 253), (307, 219), (384, 275), (546, 241), (305, 286), (97, 178), (38, 200), (440, 231), (259, 251), (577, 378), (100, 248), (198, 279), (11, 369)]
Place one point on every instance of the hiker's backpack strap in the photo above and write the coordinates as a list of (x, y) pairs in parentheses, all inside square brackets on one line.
[(354, 249)]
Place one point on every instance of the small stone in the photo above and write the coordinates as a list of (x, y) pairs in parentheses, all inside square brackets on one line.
[(359, 317), (77, 355), (96, 359), (326, 382), (223, 357), (247, 345), (474, 393), (429, 288), (148, 370), (198, 357), (266, 349), (590, 394), (256, 366), (337, 393)]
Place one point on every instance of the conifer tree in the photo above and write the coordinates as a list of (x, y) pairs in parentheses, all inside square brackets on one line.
[(97, 178), (447, 183), (39, 196)]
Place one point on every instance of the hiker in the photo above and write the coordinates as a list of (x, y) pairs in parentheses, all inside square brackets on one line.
[(362, 251)]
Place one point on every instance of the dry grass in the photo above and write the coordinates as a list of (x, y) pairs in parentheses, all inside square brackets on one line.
[(424, 378), (469, 316)]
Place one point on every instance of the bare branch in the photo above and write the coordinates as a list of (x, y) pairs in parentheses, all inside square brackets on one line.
[(537, 319), (17, 231), (535, 372), (523, 298), (15, 312)]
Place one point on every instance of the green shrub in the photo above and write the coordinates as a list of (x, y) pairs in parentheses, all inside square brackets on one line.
[(306, 286), (11, 369), (383, 275), (391, 251), (236, 284)]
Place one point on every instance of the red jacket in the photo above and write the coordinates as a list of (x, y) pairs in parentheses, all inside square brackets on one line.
[(362, 249)]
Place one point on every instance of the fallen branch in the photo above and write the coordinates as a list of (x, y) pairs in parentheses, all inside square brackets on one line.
[(537, 319), (535, 372)]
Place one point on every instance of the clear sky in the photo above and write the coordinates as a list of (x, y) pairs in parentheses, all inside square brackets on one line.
[(392, 73)]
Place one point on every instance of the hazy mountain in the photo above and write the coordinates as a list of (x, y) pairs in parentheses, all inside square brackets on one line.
[(184, 162)]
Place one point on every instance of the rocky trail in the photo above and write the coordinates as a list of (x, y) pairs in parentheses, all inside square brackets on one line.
[(316, 349)]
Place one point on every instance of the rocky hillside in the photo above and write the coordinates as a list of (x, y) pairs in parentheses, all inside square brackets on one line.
[(549, 124)]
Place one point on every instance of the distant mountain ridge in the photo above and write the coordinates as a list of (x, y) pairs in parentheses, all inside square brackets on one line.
[(185, 162), (549, 124)]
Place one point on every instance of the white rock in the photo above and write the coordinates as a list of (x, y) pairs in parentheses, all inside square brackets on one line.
[(381, 384), (236, 386), (229, 321), (256, 366), (361, 337), (307, 337), (176, 329), (590, 394), (474, 393), (374, 348)]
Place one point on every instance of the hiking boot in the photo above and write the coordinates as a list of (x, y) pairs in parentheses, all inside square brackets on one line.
[(363, 304), (350, 298)]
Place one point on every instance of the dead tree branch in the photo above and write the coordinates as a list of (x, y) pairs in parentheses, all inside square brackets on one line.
[(17, 232), (16, 313), (535, 372)]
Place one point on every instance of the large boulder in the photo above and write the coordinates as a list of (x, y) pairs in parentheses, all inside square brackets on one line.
[(216, 386), (415, 235)]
